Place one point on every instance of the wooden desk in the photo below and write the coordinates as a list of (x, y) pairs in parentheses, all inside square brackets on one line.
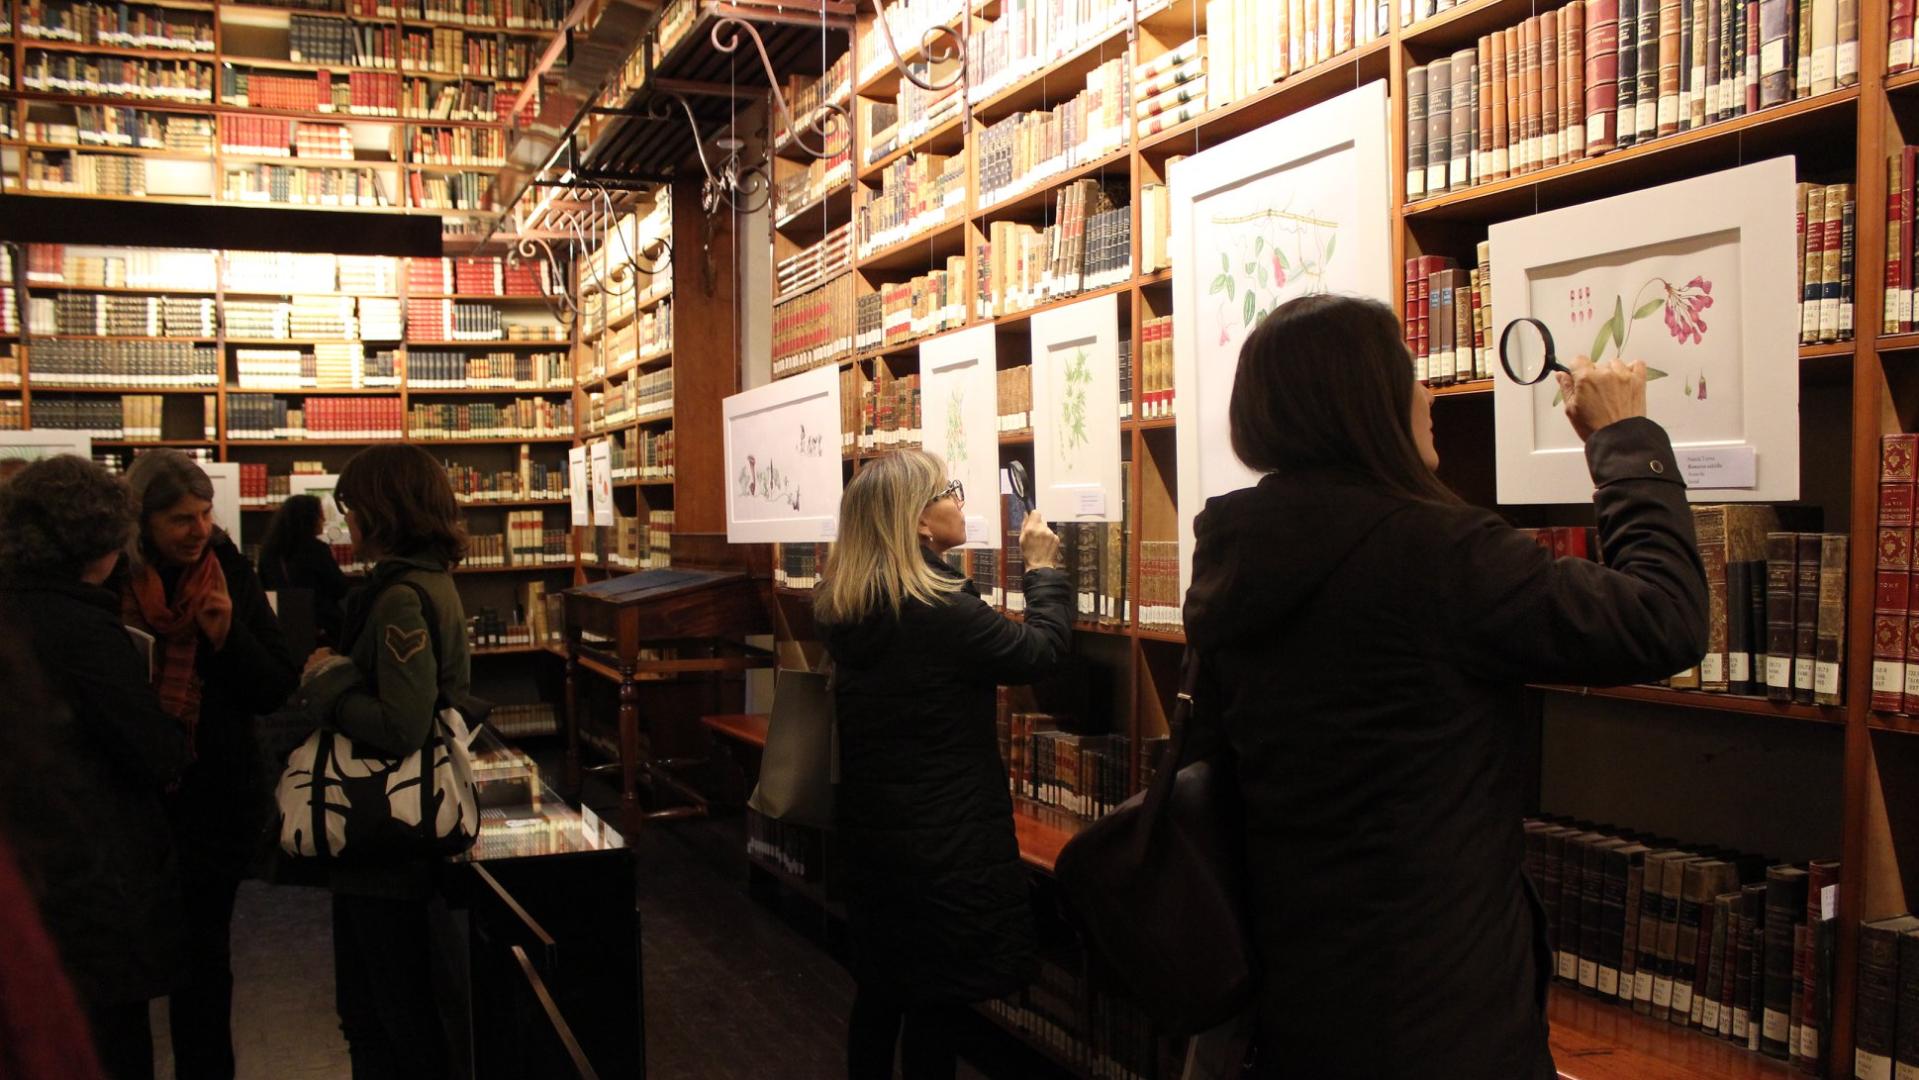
[(747, 728)]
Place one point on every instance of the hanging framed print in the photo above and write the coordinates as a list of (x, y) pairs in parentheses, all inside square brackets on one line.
[(225, 477), (599, 473), (1696, 278), (959, 411), (333, 528), (782, 446), (1076, 455), (1298, 206), (19, 449)]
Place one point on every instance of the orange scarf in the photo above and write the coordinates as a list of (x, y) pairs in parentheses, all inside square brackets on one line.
[(176, 631)]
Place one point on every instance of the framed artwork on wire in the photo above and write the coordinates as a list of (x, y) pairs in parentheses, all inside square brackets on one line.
[(1696, 278), (333, 528), (959, 419), (18, 449), (783, 474), (1298, 206), (1076, 452)]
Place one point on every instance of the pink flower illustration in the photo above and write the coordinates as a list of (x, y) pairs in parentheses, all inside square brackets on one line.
[(1279, 271), (1224, 336), (1685, 308)]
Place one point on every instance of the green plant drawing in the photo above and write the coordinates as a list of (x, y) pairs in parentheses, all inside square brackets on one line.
[(1077, 376), (955, 431), (1284, 252), (1684, 309)]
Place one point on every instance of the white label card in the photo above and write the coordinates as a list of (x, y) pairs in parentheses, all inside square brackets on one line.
[(1090, 503), (976, 530), (1720, 467)]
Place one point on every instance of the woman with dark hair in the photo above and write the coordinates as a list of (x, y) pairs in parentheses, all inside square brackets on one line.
[(294, 557), (398, 657), (937, 898), (219, 660), (102, 862), (1365, 640)]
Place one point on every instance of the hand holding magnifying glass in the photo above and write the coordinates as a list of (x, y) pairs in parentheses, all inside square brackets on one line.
[(1595, 394)]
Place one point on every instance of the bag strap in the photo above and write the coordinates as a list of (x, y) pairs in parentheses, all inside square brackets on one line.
[(1179, 727), (316, 793), (429, 770)]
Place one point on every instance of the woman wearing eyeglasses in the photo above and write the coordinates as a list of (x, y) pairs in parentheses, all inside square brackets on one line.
[(936, 894)]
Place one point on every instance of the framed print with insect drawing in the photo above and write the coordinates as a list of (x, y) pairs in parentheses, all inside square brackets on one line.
[(783, 462), (959, 418), (1298, 206), (1696, 278)]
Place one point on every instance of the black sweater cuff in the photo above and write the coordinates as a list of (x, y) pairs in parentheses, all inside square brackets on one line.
[(1632, 449)]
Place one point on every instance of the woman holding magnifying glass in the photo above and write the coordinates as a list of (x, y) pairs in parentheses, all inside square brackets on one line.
[(1365, 640)]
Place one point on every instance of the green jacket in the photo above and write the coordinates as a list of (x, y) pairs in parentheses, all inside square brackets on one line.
[(385, 698)]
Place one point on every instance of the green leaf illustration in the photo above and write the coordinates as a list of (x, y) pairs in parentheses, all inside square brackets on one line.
[(1654, 373), (1607, 332), (1231, 287), (1225, 264), (1649, 307), (1330, 245), (1247, 308), (1259, 245), (1284, 262), (1220, 284)]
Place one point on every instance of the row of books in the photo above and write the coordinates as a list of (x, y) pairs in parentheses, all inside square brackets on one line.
[(530, 479), (125, 363), (456, 146), (806, 97), (1446, 312), (265, 416), (265, 136), (1252, 43), (129, 416), (803, 186), (1028, 37), (1155, 391), (1084, 775), (1025, 149), (640, 454), (1885, 1028), (1097, 1032), (890, 411), (520, 418), (124, 26), (313, 40), (913, 113), (452, 191), (522, 721), (463, 52), (831, 255), (1827, 238), (296, 186), (1088, 246), (314, 317), (529, 542), (512, 14), (1171, 87), (907, 21), (629, 546), (815, 327), (1160, 597), (111, 126), (13, 414), (498, 370), (116, 76), (793, 850), (327, 366), (643, 394), (1598, 75), (1731, 943), (926, 304), (85, 174), (917, 193), (474, 275), (123, 316), (173, 269), (264, 489), (464, 99), (448, 320), (646, 338)]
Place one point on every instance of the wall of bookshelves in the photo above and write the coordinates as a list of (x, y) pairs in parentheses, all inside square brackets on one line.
[(337, 103), (940, 196)]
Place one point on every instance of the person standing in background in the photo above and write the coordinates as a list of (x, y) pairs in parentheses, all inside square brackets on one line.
[(294, 557), (99, 855), (219, 661), (937, 898)]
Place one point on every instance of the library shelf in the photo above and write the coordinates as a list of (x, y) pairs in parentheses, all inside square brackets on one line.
[(1032, 1038), (1667, 158), (925, 250), (309, 67), (1464, 389), (1899, 722), (498, 343), (184, 200), (783, 297), (269, 11), (1043, 87), (296, 442), (314, 391), (40, 386), (519, 568), (450, 168), (1151, 423), (1827, 350), (508, 504), (656, 481), (284, 342), (208, 54), (1594, 1040), (231, 158), (282, 294), (136, 151), (1156, 278), (1039, 196), (835, 206), (517, 298), (1022, 437), (1015, 318), (124, 337), (203, 108), (501, 440), (506, 650), (886, 81), (1898, 343), (1903, 81), (1039, 842), (617, 322), (117, 290), (1710, 702), (1171, 637), (1296, 92), (1464, 24), (948, 138), (156, 442), (485, 391)]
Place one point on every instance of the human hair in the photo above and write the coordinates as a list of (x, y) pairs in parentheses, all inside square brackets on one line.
[(1325, 382), (59, 514), (404, 505), (160, 479), (295, 523), (876, 562)]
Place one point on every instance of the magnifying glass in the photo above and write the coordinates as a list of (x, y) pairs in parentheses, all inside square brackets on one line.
[(1017, 479), (1526, 352)]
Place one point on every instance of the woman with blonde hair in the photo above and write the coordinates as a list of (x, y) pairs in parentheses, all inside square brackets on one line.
[(936, 894)]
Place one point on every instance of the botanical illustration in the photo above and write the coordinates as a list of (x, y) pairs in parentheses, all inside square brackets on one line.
[(956, 429), (1076, 379), (810, 444), (1684, 310), (1275, 254), (768, 482)]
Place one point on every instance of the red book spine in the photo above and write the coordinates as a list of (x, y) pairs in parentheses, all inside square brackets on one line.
[(1602, 75), (1899, 53), (1892, 593)]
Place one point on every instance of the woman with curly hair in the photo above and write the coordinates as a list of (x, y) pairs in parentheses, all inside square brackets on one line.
[(111, 899)]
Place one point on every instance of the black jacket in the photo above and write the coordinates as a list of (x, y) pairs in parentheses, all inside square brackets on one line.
[(311, 565), (108, 881), (1365, 657), (937, 898), (224, 803)]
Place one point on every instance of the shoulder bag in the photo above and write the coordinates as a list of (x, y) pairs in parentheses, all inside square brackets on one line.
[(801, 762), (345, 802)]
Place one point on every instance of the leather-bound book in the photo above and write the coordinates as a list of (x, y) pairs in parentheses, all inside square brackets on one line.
[(1700, 881), (1830, 649), (1820, 874), (1877, 996), (1709, 526), (1905, 1040), (1629, 925), (1646, 980), (1781, 579), (1616, 865), (1592, 919), (1628, 69), (1805, 620), (1602, 75), (1672, 886), (1785, 912), (1746, 527), (1572, 905), (1748, 989), (1717, 914)]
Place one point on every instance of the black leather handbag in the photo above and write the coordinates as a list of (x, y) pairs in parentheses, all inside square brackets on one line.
[(1158, 886)]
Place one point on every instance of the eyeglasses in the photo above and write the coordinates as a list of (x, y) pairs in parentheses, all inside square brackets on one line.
[(956, 490)]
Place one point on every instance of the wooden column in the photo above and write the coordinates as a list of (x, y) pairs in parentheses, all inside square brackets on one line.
[(706, 344)]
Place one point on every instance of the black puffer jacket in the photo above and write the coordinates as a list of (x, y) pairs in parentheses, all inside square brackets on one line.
[(937, 897), (1366, 656), (108, 880)]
